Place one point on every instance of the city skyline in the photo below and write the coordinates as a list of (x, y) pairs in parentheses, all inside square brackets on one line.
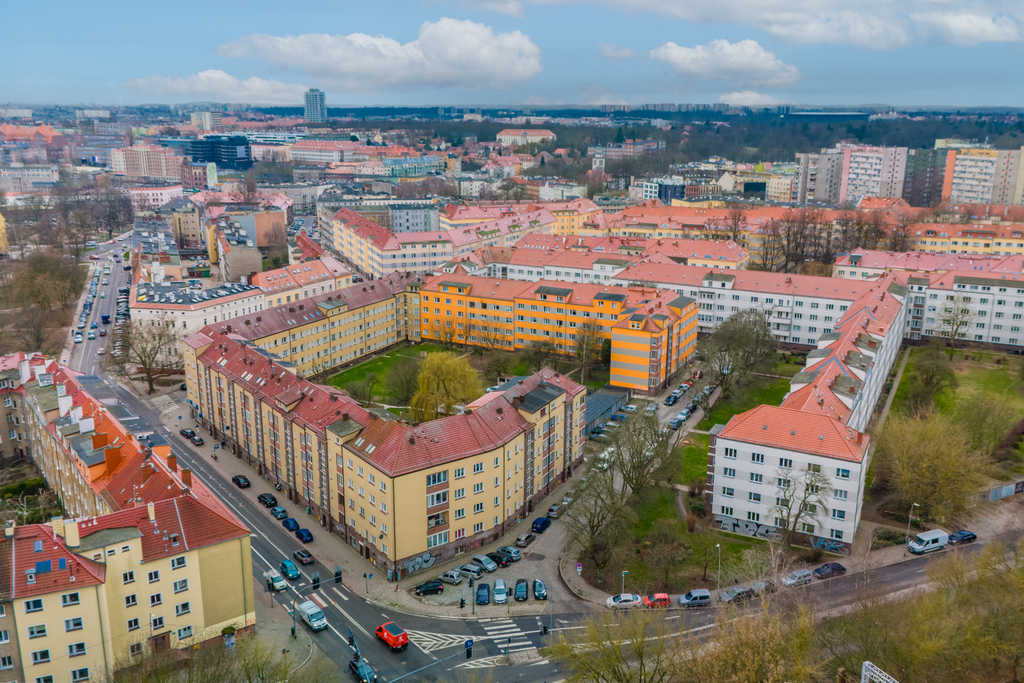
[(535, 53)]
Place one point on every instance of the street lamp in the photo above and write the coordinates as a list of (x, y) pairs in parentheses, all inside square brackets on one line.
[(624, 581), (909, 517), (719, 575)]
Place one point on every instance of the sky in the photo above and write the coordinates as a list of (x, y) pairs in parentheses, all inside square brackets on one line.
[(526, 52)]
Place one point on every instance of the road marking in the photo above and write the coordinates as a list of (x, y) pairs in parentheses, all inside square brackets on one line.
[(318, 600), (340, 595), (671, 618)]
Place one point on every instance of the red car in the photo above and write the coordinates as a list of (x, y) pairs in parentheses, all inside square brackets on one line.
[(393, 635), (657, 600)]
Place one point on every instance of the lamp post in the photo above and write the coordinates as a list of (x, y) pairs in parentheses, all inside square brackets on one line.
[(909, 517), (624, 581), (719, 574)]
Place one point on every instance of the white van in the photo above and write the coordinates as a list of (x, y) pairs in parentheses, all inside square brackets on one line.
[(500, 592), (313, 615), (927, 541)]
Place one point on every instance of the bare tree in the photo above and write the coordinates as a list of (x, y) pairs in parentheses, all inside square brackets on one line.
[(38, 330), (627, 647), (250, 191), (956, 318), (800, 499), (152, 349), (741, 345), (769, 251), (599, 515), (640, 450), (587, 348)]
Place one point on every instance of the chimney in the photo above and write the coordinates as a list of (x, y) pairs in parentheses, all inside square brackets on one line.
[(186, 477), (58, 526), (9, 529), (71, 538), (172, 462), (112, 458), (99, 440), (147, 472), (151, 510)]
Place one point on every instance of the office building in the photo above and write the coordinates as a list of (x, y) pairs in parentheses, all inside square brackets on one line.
[(316, 106)]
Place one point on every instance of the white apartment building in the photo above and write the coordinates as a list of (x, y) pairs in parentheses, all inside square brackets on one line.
[(985, 176), (189, 310), (995, 302), (872, 172), (152, 198)]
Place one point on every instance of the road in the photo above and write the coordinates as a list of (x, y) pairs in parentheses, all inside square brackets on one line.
[(85, 356)]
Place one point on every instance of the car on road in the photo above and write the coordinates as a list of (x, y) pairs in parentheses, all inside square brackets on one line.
[(187, 433), (962, 536), (303, 556), (540, 591), (798, 577), (540, 525), (92, 335), (474, 570), (735, 594), (452, 576), (278, 512), (522, 592), (240, 480), (432, 587), (289, 570), (93, 326), (500, 559), (289, 523), (103, 333), (524, 540), (78, 337), (100, 351), (829, 570), (361, 671), (698, 597), (671, 400), (657, 600), (486, 563), (623, 601), (304, 535), (197, 440), (267, 500), (513, 553), (483, 593), (183, 387), (393, 635)]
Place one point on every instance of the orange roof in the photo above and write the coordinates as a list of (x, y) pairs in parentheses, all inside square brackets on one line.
[(797, 430)]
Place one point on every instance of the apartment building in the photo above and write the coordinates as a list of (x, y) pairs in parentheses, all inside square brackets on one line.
[(316, 106), (326, 330), (147, 161), (758, 463), (198, 175), (150, 198), (524, 136), (983, 176), (188, 310), (570, 215), (18, 178), (185, 221), (872, 172), (820, 178), (513, 315), (861, 264), (302, 280)]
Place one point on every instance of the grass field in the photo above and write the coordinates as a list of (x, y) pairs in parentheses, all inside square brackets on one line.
[(979, 377), (694, 452), (761, 391), (381, 365)]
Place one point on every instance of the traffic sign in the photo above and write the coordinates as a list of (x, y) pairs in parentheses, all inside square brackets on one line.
[(469, 643), (579, 569)]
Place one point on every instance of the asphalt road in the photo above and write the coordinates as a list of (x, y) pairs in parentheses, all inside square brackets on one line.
[(84, 356)]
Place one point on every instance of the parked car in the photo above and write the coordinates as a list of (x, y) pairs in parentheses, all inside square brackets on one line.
[(393, 635), (483, 593), (735, 594), (187, 433), (698, 597), (624, 600), (513, 553), (829, 570), (627, 409), (432, 587), (540, 591), (303, 556), (290, 524), (522, 593), (928, 541), (540, 525), (197, 440), (962, 536), (500, 592), (474, 570), (241, 481), (452, 576), (676, 422), (524, 540), (657, 600), (267, 500), (554, 510), (485, 562), (289, 570), (500, 559), (763, 588), (618, 417), (798, 577), (671, 400), (651, 408), (278, 512), (304, 535)]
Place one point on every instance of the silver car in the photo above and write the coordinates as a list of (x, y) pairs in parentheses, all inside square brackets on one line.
[(452, 576), (470, 570), (512, 553), (799, 577)]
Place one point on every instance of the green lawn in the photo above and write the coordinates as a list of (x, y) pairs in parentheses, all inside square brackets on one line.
[(978, 377), (761, 391), (381, 365), (695, 457)]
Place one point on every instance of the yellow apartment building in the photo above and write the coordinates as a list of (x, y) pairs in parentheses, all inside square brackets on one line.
[(302, 280)]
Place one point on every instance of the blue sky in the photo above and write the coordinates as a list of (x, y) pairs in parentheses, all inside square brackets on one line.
[(465, 52)]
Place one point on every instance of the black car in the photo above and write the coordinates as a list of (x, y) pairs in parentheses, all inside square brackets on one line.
[(500, 559), (361, 671), (187, 433), (267, 500), (671, 400), (540, 591), (522, 590), (197, 440), (962, 536), (240, 481), (432, 587), (303, 556), (829, 570)]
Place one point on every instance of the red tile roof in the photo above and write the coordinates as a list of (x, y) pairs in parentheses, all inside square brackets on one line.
[(25, 560), (797, 430)]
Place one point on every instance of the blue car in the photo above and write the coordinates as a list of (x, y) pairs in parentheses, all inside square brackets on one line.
[(290, 524), (483, 593), (289, 569), (304, 535), (540, 525), (278, 512)]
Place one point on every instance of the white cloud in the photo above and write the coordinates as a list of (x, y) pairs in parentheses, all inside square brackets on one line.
[(966, 28), (744, 62), (748, 98), (446, 53), (613, 51), (216, 85), (512, 8), (596, 94)]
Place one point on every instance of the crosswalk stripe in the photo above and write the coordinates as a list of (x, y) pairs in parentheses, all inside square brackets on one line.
[(318, 600)]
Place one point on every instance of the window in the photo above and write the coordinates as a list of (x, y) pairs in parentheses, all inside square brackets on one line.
[(33, 605), (478, 488), (40, 656), (128, 577), (837, 534), (478, 468), (460, 472), (131, 600), (44, 679), (839, 514), (730, 452), (478, 527), (807, 528), (728, 472), (135, 648), (727, 492), (73, 624), (460, 493), (786, 463), (183, 608), (479, 507), (133, 624), (842, 474), (811, 467), (438, 478), (753, 517), (754, 497), (181, 586), (727, 511), (437, 498), (78, 675), (37, 631), (154, 576), (784, 483), (756, 478), (460, 513), (69, 599), (6, 662), (184, 633), (437, 539), (177, 562), (757, 457), (840, 494), (5, 637), (158, 622), (76, 649), (156, 599)]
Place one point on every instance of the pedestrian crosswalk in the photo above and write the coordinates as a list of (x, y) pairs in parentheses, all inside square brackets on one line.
[(166, 404), (506, 634)]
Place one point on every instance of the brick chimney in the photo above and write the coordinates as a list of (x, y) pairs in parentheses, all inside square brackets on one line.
[(172, 462), (186, 477)]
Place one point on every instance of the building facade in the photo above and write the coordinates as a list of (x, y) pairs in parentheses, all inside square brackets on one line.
[(316, 106)]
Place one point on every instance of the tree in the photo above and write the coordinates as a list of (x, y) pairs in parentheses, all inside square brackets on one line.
[(250, 191), (600, 516), (956, 317), (587, 348), (751, 649), (800, 499), (538, 354), (736, 223), (362, 390), (666, 552), (741, 345), (768, 252), (38, 330), (403, 380), (606, 354), (445, 380), (933, 373), (498, 364), (620, 647), (153, 349), (985, 421), (640, 450)]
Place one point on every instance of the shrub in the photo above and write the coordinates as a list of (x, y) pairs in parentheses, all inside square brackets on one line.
[(812, 555), (884, 538), (691, 522), (697, 507), (29, 487), (697, 487)]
